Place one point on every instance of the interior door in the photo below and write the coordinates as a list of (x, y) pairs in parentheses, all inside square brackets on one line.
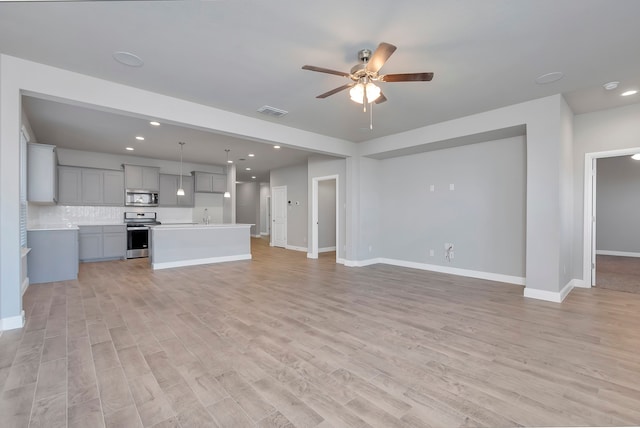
[(279, 216), (593, 222)]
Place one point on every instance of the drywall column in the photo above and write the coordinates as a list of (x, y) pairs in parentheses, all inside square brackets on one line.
[(363, 211), (10, 298)]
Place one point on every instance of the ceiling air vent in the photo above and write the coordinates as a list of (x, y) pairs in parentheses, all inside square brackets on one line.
[(272, 111)]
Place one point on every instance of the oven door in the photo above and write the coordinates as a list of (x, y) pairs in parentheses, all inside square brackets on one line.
[(137, 242)]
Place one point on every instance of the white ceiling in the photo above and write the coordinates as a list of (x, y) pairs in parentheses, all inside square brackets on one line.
[(241, 55)]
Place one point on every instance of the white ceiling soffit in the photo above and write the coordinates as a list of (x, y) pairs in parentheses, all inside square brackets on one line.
[(498, 134)]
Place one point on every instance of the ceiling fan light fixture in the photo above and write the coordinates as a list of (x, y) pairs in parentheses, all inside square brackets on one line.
[(358, 91)]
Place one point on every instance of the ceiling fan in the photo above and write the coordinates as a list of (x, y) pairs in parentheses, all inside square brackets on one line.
[(363, 75)]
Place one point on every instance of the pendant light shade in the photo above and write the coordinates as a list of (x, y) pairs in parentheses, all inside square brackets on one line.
[(180, 191), (227, 194)]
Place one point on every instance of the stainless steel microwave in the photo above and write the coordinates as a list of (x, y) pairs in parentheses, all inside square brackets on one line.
[(141, 198)]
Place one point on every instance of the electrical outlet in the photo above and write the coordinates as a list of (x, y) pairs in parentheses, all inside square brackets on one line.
[(452, 186), (432, 188), (450, 255), (432, 253), (370, 248)]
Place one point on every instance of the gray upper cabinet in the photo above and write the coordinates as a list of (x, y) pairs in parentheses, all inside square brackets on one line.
[(169, 186), (113, 188), (207, 182), (42, 178), (87, 186), (92, 181), (69, 185), (139, 177)]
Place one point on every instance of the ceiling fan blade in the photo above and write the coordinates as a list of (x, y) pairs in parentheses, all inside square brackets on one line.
[(324, 70), (336, 90), (380, 99), (380, 56), (407, 77)]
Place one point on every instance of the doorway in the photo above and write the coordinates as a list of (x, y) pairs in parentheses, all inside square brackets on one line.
[(279, 216), (325, 221), (608, 261)]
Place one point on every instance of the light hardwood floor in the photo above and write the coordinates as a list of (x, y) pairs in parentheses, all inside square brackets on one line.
[(285, 341)]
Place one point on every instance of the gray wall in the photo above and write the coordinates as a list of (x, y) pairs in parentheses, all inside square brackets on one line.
[(295, 178), (248, 205), (326, 214), (484, 216), (618, 204), (600, 131)]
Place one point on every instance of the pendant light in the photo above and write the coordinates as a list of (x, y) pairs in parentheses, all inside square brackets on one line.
[(227, 194), (180, 191)]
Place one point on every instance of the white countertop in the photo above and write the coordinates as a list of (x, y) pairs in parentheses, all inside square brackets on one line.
[(200, 226), (41, 227)]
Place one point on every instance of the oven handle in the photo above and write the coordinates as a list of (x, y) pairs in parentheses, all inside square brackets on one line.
[(138, 228)]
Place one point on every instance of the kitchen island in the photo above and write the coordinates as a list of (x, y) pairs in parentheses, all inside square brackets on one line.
[(176, 245)]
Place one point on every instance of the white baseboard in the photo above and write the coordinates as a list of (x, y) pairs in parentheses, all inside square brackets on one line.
[(617, 253), (326, 249), (580, 283), (551, 296), (11, 323), (362, 263), (341, 261), (294, 248), (25, 285), (490, 276), (264, 233), (255, 236), (194, 262)]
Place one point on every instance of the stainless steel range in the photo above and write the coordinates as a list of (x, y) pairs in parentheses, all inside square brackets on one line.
[(138, 241)]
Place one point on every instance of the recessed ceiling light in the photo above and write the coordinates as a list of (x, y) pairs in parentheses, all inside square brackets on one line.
[(129, 148), (154, 123), (276, 147), (248, 169), (549, 77), (610, 86), (253, 176), (251, 155), (636, 156), (127, 58), (140, 138), (229, 161), (627, 93)]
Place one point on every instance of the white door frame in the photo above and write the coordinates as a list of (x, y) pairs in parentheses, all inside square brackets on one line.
[(588, 241), (273, 217), (314, 214)]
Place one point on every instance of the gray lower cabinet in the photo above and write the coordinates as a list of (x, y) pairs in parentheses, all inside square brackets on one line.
[(53, 256), (88, 186), (169, 185), (107, 242), (207, 182)]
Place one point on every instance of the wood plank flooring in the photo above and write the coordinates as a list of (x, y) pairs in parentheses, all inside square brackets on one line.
[(618, 273), (285, 341)]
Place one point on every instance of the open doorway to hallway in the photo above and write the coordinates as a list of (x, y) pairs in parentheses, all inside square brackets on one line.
[(617, 237), (324, 225), (612, 204)]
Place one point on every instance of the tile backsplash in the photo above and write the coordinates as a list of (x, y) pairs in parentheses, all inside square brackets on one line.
[(62, 214)]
